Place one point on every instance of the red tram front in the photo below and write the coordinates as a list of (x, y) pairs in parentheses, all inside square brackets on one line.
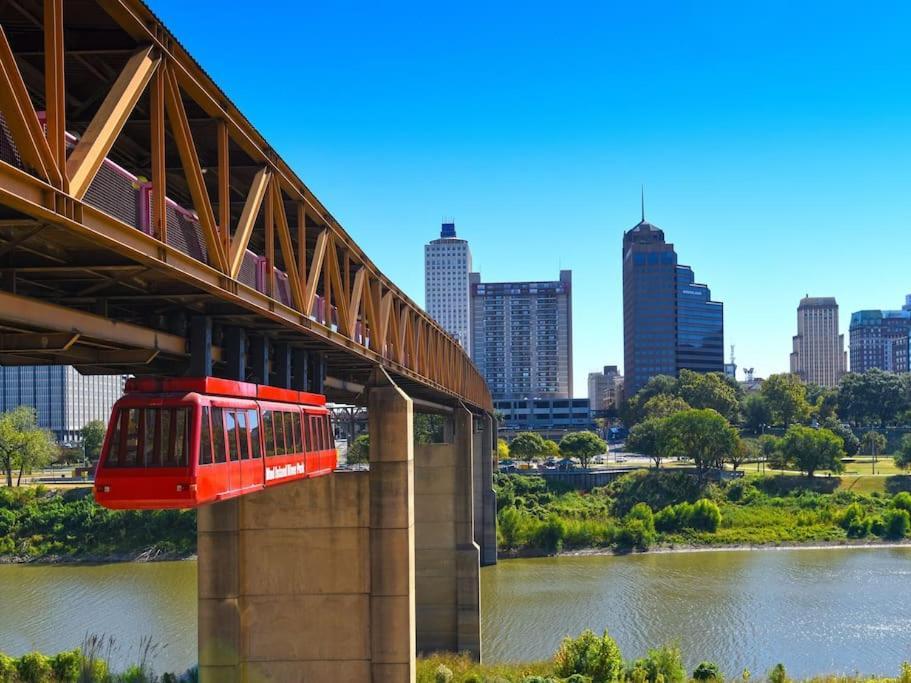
[(184, 442)]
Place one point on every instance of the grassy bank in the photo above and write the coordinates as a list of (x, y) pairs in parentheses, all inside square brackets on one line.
[(649, 508), (42, 525)]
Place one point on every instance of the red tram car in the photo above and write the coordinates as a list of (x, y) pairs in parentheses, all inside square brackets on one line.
[(185, 442)]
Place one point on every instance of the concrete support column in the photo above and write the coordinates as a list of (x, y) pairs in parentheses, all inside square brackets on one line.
[(447, 567), (281, 366), (488, 519), (259, 359), (234, 347), (392, 578), (200, 346)]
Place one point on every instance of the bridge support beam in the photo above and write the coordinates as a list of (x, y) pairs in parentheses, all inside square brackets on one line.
[(235, 353), (486, 523), (447, 559)]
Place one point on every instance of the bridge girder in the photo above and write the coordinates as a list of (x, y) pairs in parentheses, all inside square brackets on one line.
[(132, 96)]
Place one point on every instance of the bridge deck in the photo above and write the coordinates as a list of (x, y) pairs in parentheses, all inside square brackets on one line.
[(134, 196)]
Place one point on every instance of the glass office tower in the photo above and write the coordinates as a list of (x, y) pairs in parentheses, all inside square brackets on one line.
[(700, 326)]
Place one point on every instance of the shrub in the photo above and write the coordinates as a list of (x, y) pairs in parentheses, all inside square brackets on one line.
[(707, 671), (511, 524), (590, 655), (705, 515), (67, 666), (854, 521), (673, 517), (778, 674), (664, 662), (896, 523), (33, 668), (634, 534), (902, 501), (657, 489), (550, 534), (7, 668), (443, 674)]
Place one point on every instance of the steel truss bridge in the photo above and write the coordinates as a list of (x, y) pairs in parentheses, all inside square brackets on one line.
[(146, 227)]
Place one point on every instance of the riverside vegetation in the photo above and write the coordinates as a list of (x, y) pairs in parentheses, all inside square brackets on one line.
[(647, 508)]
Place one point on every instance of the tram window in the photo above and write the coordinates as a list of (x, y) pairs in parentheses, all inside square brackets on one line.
[(231, 435), (163, 450), (242, 435), (298, 439), (291, 438), (253, 424), (307, 443), (218, 434), (148, 438), (268, 433), (180, 437), (279, 432), (132, 441), (205, 437), (330, 441), (113, 458)]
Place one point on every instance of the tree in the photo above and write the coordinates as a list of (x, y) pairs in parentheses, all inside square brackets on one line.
[(742, 451), (23, 444), (428, 428), (664, 405), (632, 411), (582, 445), (647, 438), (359, 451), (502, 449), (873, 443), (770, 448), (527, 445), (852, 443), (903, 457), (787, 398), (873, 396), (92, 439), (708, 390), (812, 449), (551, 449), (756, 413), (703, 435)]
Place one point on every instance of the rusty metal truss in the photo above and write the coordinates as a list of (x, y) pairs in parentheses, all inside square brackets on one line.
[(134, 195)]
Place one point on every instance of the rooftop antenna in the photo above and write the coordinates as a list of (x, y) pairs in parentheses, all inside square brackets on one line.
[(642, 192)]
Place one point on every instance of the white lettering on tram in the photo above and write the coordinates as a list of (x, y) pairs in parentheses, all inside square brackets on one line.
[(282, 471)]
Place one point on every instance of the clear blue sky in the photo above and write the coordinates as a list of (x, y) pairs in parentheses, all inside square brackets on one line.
[(773, 138)]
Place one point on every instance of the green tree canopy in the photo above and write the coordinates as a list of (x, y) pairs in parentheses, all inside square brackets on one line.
[(787, 399), (551, 449), (701, 434), (632, 410), (852, 443), (708, 390), (582, 445), (664, 405), (647, 438), (903, 457), (872, 397), (873, 443), (23, 444), (359, 451), (93, 438), (812, 449), (527, 445), (756, 413)]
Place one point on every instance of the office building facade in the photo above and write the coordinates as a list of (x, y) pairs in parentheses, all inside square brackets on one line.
[(64, 400), (605, 389), (521, 337), (447, 263), (819, 350), (670, 321), (880, 339)]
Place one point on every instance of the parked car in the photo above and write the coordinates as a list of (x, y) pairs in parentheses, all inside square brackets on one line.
[(598, 460)]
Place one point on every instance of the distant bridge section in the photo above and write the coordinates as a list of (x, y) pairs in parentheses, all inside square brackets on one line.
[(142, 217)]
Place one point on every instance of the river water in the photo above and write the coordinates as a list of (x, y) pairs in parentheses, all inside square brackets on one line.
[(818, 611)]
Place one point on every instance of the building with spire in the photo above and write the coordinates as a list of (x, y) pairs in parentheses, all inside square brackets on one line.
[(447, 263), (819, 350), (670, 321)]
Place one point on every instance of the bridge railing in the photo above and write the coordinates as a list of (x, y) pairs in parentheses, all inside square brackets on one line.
[(304, 269)]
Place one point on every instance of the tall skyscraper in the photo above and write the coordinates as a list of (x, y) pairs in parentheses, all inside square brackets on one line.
[(819, 350), (880, 339), (447, 263), (669, 321), (521, 337), (63, 399)]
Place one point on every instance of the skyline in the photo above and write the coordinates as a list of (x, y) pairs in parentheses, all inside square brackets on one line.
[(770, 153)]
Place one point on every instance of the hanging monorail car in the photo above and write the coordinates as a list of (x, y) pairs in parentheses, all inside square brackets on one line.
[(185, 442)]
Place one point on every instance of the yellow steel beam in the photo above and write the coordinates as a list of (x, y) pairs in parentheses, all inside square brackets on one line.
[(247, 219), (94, 145), (316, 267), (30, 341), (287, 248), (54, 86)]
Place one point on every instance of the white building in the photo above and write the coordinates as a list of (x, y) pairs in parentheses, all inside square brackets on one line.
[(819, 350), (64, 399), (605, 389), (447, 262)]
